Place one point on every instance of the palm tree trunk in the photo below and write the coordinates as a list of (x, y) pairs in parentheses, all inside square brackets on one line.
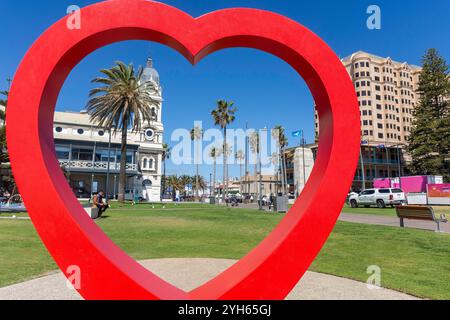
[(214, 181), (163, 181), (256, 181), (123, 164), (240, 174), (282, 175), (196, 184), (285, 172), (225, 180)]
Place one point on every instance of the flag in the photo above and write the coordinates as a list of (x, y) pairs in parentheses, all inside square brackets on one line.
[(297, 134)]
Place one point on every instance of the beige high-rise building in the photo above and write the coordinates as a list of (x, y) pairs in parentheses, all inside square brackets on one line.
[(386, 92), (387, 96)]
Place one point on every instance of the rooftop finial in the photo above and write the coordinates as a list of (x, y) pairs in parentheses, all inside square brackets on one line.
[(149, 62)]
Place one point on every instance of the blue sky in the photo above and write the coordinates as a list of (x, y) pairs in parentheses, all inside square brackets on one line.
[(265, 89)]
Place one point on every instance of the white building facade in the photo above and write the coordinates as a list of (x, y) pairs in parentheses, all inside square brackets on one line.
[(90, 155)]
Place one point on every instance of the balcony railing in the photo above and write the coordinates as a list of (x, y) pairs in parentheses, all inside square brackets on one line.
[(380, 161), (95, 166)]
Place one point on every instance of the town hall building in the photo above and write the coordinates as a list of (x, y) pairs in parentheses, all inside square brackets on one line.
[(90, 156)]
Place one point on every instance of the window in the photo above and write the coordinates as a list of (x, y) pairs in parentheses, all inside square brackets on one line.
[(62, 152), (384, 191), (147, 183), (58, 129), (80, 131), (82, 154), (101, 133), (148, 163)]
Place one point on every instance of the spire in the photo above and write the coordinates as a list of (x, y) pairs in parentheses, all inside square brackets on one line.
[(149, 62)]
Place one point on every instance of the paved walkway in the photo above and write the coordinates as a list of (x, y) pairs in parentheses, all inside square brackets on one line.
[(392, 221), (379, 220), (190, 273)]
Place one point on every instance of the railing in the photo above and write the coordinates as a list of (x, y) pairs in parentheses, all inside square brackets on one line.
[(380, 161), (98, 165)]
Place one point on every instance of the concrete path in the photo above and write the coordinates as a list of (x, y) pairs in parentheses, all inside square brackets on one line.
[(190, 273), (392, 222), (378, 220)]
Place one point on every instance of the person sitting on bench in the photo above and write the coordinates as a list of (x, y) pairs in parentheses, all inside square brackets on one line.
[(100, 203)]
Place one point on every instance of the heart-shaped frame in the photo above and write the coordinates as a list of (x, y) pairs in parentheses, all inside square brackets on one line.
[(274, 267)]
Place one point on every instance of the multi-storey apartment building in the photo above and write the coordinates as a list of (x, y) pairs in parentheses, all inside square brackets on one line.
[(386, 91)]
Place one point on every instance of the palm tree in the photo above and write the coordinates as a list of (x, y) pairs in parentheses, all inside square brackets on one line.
[(185, 180), (202, 185), (240, 155), (196, 135), (175, 183), (223, 115), (122, 102), (165, 156), (254, 146), (214, 153), (282, 142), (3, 145)]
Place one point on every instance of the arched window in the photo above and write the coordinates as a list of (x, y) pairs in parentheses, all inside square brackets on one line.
[(145, 163), (147, 183), (154, 114), (151, 164)]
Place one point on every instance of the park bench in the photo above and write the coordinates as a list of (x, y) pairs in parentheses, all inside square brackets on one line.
[(419, 213), (92, 212)]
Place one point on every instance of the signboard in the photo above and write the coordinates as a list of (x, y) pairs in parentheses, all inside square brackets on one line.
[(438, 194)]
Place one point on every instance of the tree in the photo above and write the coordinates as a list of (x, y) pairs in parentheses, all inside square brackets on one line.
[(240, 156), (185, 180), (224, 115), (123, 102), (165, 156), (196, 135), (214, 153), (201, 183), (3, 146), (254, 140), (429, 142), (175, 184), (279, 134)]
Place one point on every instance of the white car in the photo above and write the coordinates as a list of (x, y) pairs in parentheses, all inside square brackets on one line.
[(378, 197)]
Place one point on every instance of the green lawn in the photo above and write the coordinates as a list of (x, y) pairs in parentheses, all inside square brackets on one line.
[(370, 211), (412, 261), (389, 211)]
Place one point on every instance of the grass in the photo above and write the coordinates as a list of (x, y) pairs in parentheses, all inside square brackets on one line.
[(413, 261), (389, 211)]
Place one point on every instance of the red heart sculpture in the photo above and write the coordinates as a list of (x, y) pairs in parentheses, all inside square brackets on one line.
[(274, 267)]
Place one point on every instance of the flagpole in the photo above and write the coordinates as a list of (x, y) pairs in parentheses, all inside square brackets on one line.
[(304, 169)]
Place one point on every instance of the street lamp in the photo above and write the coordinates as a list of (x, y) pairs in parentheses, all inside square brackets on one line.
[(363, 171), (108, 167)]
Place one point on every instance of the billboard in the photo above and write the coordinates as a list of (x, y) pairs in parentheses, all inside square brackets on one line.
[(438, 194)]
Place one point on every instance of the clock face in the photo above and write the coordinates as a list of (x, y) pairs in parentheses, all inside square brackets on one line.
[(149, 134)]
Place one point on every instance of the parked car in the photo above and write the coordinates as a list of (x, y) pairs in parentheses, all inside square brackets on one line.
[(378, 197)]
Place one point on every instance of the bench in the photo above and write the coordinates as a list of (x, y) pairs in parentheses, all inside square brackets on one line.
[(92, 212), (419, 213)]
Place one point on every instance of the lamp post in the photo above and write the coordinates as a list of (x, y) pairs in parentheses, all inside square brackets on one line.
[(399, 166), (303, 150), (108, 166), (363, 170), (210, 184), (260, 171)]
